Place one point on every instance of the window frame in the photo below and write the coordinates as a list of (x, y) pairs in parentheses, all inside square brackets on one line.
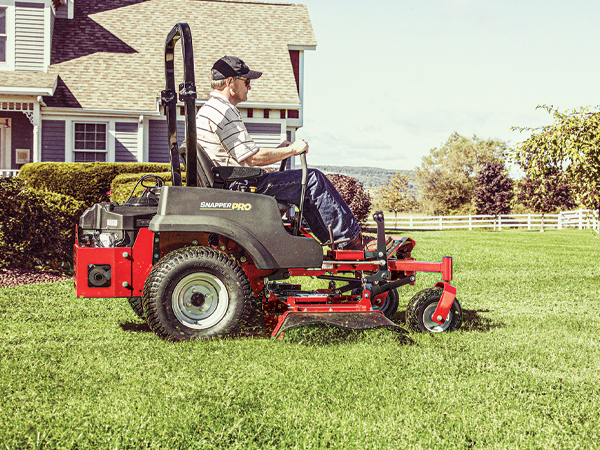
[(5, 34), (9, 10), (94, 151)]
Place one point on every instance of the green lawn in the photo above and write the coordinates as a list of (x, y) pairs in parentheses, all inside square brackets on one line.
[(523, 372)]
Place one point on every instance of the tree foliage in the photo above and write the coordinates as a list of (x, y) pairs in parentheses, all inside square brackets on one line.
[(396, 196), (546, 194), (569, 145), (495, 192), (354, 193), (446, 177)]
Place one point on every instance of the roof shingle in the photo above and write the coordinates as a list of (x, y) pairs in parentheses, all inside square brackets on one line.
[(111, 55)]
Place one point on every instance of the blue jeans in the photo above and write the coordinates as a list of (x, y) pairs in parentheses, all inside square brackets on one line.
[(323, 205)]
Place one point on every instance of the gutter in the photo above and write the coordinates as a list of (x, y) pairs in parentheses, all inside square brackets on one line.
[(259, 105), (97, 112), (34, 92)]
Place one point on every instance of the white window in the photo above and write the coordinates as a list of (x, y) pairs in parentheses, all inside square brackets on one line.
[(3, 35), (90, 142)]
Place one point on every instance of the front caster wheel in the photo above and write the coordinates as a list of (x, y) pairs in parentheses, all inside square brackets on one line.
[(420, 311), (389, 305), (196, 292)]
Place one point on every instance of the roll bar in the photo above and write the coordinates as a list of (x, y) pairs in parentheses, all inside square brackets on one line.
[(187, 94)]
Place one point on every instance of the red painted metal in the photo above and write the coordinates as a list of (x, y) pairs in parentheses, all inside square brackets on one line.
[(445, 303), (353, 263), (324, 303), (142, 260), (129, 267), (447, 268), (120, 283)]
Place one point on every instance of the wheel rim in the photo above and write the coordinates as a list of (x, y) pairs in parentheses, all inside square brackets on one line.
[(432, 326), (200, 300), (383, 305)]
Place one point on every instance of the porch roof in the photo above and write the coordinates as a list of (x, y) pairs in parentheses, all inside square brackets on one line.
[(27, 83)]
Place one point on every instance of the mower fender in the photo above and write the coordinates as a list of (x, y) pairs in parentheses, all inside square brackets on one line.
[(261, 256), (251, 220), (448, 295)]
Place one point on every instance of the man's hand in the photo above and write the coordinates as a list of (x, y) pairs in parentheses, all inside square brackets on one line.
[(299, 147)]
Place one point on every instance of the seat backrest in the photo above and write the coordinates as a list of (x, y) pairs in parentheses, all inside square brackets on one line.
[(206, 177)]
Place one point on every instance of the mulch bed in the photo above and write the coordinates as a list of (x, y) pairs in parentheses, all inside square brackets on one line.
[(16, 277)]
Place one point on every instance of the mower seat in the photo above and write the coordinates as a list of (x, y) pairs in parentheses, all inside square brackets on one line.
[(220, 177), (212, 176)]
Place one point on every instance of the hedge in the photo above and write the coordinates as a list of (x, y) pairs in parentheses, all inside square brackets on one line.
[(36, 228), (86, 182)]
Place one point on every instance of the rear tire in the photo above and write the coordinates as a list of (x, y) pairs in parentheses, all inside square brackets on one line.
[(196, 293), (420, 310), (137, 306)]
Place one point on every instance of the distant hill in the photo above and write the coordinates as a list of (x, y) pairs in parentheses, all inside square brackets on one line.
[(369, 176)]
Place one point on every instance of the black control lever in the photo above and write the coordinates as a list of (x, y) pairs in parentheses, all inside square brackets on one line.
[(303, 194)]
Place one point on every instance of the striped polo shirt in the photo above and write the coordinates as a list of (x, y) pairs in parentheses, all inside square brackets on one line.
[(222, 133)]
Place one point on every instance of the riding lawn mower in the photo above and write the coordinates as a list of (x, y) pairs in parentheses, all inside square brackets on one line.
[(194, 259)]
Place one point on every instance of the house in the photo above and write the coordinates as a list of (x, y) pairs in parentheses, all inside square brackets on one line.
[(80, 80)]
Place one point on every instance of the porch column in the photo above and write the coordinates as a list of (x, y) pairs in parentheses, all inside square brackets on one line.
[(37, 136)]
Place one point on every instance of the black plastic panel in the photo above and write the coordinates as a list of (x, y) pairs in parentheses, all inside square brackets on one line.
[(251, 220)]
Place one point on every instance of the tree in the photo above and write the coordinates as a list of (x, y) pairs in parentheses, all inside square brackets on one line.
[(570, 146), (396, 196), (353, 193), (547, 194), (446, 178), (495, 191)]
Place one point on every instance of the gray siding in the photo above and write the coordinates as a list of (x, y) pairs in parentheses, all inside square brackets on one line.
[(267, 135), (53, 140), (158, 150), (126, 142), (29, 36)]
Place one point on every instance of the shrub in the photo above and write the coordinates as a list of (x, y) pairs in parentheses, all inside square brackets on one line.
[(36, 228), (354, 193), (86, 182)]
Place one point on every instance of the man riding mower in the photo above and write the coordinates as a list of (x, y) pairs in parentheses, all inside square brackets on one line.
[(193, 259)]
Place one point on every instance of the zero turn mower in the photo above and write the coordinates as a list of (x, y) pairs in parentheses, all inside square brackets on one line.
[(192, 259)]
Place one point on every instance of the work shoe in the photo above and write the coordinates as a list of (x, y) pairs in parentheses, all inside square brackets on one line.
[(368, 243)]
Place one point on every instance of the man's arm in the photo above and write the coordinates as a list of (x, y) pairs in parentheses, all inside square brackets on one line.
[(266, 156)]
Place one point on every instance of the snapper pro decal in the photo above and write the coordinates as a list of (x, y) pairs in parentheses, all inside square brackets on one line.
[(225, 206)]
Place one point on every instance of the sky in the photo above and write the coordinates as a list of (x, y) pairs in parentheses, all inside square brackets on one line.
[(390, 80)]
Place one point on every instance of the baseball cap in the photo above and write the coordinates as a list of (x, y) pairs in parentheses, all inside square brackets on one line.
[(232, 66)]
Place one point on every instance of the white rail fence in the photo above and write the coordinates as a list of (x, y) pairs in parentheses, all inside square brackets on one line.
[(581, 219), (8, 173)]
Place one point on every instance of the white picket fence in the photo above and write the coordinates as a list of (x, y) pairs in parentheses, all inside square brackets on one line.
[(581, 218)]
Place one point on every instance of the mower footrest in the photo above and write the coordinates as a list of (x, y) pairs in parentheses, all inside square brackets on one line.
[(353, 320)]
